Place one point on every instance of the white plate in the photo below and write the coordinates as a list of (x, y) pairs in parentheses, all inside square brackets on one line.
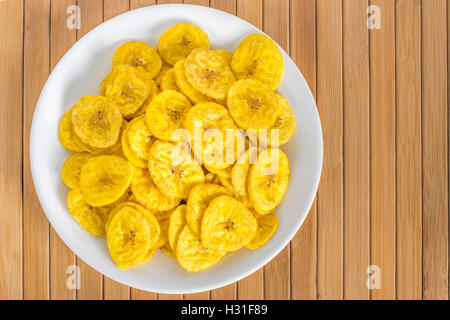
[(80, 72)]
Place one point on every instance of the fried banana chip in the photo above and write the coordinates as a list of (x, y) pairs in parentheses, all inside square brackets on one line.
[(136, 142), (90, 218), (178, 42), (258, 57), (226, 182), (267, 225), (268, 180), (163, 238), (169, 81), (209, 73), (154, 90), (70, 172), (165, 67), (148, 194), (99, 151), (212, 145), (173, 170), (185, 87), (252, 104), (227, 225), (67, 136), (192, 255), (177, 222), (138, 55), (209, 177), (97, 121), (128, 87), (104, 179), (239, 172), (199, 199), (167, 250), (224, 54), (166, 113)]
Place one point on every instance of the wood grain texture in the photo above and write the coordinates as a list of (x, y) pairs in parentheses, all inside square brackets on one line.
[(251, 287), (304, 244), (277, 272), (435, 149), (61, 257), (383, 150), (11, 86), (356, 149), (35, 224), (409, 150), (330, 194)]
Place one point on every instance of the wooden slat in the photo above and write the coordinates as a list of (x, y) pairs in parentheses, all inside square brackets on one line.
[(229, 292), (135, 293), (61, 257), (409, 146), (356, 149), (304, 244), (11, 86), (251, 287), (435, 149), (383, 149), (91, 280), (277, 272), (330, 195), (35, 224)]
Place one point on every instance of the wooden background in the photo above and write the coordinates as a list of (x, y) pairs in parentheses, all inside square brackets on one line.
[(383, 102)]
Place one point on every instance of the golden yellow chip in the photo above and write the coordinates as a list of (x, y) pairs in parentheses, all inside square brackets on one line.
[(224, 54), (209, 177), (70, 172), (184, 86), (173, 170), (126, 197), (128, 87), (209, 73), (136, 142), (212, 121), (154, 90), (239, 172), (226, 182), (67, 136), (192, 255), (178, 42), (165, 67), (138, 55), (267, 225), (90, 218), (104, 179), (169, 81), (148, 194), (110, 150), (199, 199), (227, 225), (219, 172), (97, 121), (167, 250), (163, 238), (252, 104), (258, 57), (177, 222), (166, 114), (128, 237), (268, 180)]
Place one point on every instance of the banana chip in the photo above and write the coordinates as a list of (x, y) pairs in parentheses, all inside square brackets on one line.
[(199, 199), (177, 222), (267, 225), (67, 136), (104, 179), (169, 81), (239, 172), (268, 180), (192, 255), (224, 54), (185, 87), (258, 57), (173, 170), (154, 90), (165, 67), (115, 148), (167, 251), (209, 73), (227, 225), (136, 142), (166, 114), (138, 55), (97, 121), (90, 218), (148, 194), (163, 238), (70, 172), (252, 104), (128, 87), (178, 42)]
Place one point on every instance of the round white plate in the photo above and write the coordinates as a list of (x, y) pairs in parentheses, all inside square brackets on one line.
[(80, 72)]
